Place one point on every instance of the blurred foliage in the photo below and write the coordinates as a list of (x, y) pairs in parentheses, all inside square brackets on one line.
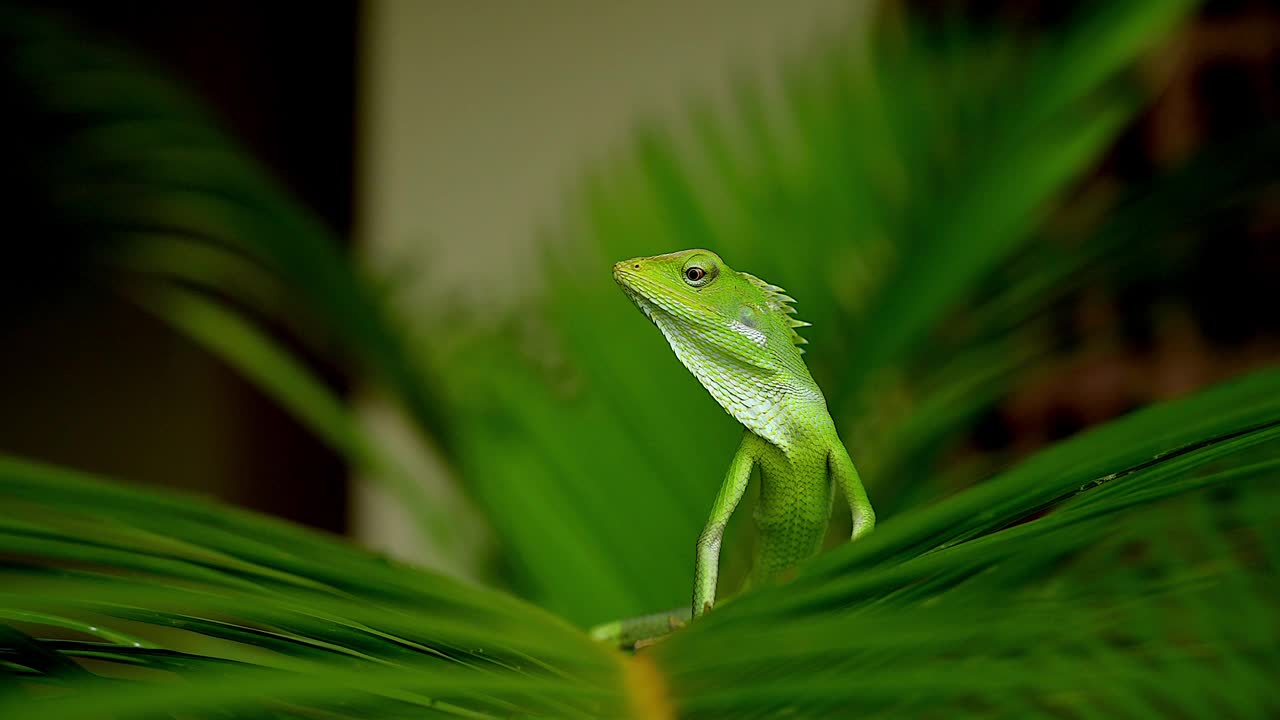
[(124, 181), (911, 185), (898, 183)]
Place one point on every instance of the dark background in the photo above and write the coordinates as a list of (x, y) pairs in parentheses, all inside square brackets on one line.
[(92, 382)]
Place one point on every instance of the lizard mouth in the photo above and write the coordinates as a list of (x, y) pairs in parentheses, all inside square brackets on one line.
[(621, 277), (648, 295)]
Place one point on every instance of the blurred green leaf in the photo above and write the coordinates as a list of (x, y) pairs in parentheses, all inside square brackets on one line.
[(141, 186), (876, 187)]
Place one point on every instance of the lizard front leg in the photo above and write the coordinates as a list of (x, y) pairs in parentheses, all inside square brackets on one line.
[(843, 472), (706, 566)]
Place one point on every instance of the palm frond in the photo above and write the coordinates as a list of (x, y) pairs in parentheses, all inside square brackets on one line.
[(244, 608), (1143, 549), (1080, 583)]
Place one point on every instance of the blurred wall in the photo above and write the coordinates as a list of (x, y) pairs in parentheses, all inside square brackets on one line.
[(475, 118)]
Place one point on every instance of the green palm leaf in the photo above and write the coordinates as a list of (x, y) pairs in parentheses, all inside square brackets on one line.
[(1006, 599)]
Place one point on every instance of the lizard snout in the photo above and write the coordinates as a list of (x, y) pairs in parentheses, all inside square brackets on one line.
[(625, 268)]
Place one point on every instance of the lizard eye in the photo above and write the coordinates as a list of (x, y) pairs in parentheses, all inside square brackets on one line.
[(700, 271)]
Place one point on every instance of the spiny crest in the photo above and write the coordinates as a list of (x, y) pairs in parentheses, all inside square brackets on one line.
[(780, 301)]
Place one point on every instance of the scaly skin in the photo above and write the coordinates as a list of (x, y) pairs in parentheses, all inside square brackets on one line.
[(736, 334)]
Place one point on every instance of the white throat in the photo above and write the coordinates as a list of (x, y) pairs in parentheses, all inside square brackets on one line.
[(766, 403)]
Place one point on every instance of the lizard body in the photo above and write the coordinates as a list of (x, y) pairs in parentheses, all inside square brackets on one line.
[(736, 334)]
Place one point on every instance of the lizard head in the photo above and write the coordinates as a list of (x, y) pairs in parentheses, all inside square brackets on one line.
[(729, 328)]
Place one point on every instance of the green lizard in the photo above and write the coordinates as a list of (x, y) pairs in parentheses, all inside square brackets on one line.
[(737, 335)]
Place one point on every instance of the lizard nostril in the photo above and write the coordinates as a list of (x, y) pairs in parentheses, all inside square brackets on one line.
[(636, 267)]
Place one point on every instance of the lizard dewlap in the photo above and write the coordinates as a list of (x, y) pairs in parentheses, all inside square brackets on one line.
[(737, 334)]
